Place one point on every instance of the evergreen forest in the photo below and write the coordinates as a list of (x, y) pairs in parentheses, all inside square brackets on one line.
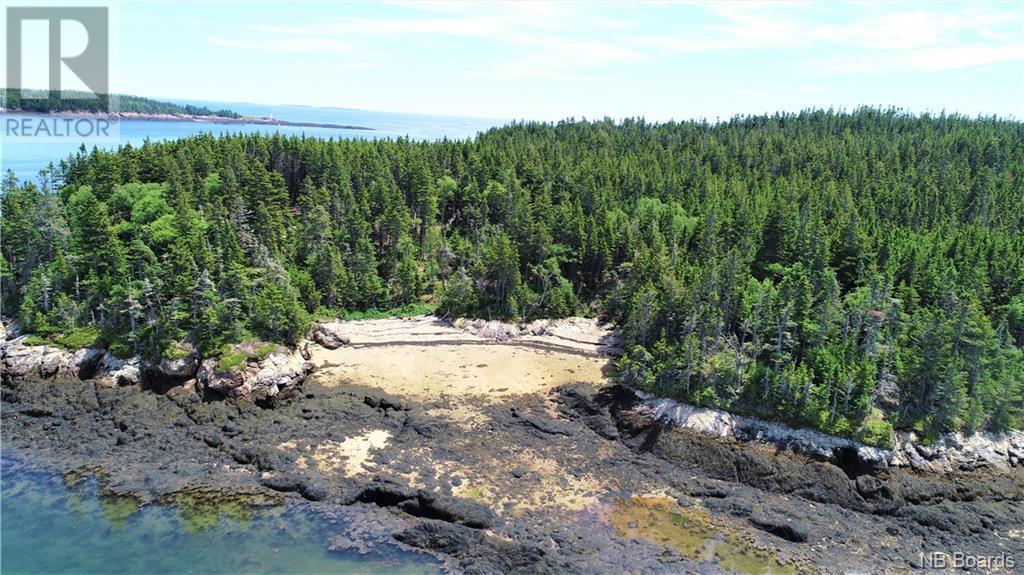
[(853, 272)]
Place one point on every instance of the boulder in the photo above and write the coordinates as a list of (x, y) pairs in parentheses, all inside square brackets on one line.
[(328, 335), (873, 459), (786, 528), (223, 382), (254, 378), (183, 367), (494, 329), (114, 371)]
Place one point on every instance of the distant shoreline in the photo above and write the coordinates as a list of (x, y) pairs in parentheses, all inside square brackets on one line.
[(210, 119)]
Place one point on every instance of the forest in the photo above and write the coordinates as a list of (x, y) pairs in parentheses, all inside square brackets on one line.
[(853, 272), (43, 102)]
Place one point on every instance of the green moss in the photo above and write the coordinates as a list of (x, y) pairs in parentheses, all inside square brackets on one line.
[(876, 432), (79, 338), (36, 340), (176, 351), (232, 361), (266, 350)]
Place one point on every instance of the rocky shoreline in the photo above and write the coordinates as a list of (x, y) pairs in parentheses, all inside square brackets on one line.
[(951, 453), (420, 467)]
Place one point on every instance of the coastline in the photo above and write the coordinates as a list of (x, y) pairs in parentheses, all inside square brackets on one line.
[(219, 120), (495, 447)]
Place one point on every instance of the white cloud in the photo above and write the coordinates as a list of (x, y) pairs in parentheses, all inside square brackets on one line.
[(935, 58), (812, 89), (546, 39)]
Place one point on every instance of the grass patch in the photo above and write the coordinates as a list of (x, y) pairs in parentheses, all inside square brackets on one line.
[(876, 432), (266, 350), (232, 360), (36, 340), (176, 351), (79, 338), (407, 310)]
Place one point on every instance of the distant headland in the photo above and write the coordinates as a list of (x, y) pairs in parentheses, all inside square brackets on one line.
[(135, 108)]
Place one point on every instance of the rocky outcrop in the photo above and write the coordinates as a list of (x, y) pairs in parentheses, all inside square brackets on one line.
[(255, 378), (182, 367), (21, 361), (112, 370), (493, 329), (956, 452), (571, 332), (951, 453), (329, 335)]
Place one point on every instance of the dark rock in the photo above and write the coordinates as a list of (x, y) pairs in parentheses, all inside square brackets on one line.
[(213, 439), (308, 488), (447, 538), (230, 428), (789, 530), (33, 411), (464, 512), (546, 427), (284, 483), (385, 494)]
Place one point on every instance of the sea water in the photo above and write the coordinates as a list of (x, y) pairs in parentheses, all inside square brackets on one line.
[(52, 524)]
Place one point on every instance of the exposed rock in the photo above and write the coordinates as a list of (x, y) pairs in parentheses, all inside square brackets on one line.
[(114, 371), (309, 488), (494, 329), (149, 444), (328, 334), (420, 503), (441, 536), (22, 361), (461, 511), (952, 452), (181, 367), (787, 529), (254, 378), (187, 388)]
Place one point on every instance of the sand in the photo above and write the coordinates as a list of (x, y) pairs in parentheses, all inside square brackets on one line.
[(425, 358), (455, 370)]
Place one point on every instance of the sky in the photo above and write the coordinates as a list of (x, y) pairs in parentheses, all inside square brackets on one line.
[(554, 60)]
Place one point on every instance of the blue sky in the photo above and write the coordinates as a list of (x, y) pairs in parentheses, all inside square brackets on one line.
[(540, 60)]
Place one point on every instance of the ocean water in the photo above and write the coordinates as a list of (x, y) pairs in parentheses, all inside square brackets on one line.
[(55, 525), (27, 158)]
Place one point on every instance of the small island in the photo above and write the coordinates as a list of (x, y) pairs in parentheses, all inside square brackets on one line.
[(135, 108)]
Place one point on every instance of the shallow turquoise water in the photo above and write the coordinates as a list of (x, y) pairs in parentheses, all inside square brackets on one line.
[(47, 526)]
